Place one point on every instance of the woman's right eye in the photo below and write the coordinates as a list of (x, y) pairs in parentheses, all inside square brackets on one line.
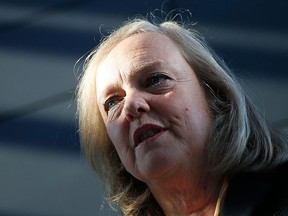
[(111, 102)]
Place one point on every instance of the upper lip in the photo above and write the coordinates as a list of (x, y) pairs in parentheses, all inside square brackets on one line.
[(146, 131)]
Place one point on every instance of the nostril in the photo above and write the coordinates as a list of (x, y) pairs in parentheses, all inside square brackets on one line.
[(140, 109), (135, 106), (129, 117)]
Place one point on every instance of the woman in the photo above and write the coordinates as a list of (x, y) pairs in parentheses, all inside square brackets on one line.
[(170, 131)]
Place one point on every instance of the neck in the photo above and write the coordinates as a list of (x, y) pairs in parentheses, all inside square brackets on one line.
[(185, 196)]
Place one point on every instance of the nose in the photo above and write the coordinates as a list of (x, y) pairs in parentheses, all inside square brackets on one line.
[(135, 105)]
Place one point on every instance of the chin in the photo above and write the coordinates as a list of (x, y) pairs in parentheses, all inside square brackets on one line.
[(156, 166)]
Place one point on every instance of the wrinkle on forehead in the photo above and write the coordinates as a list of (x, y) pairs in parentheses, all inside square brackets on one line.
[(133, 55), (145, 66)]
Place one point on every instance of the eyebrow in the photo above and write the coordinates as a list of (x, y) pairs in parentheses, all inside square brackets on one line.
[(146, 66)]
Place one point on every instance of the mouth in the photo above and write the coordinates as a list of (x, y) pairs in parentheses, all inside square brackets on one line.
[(147, 133)]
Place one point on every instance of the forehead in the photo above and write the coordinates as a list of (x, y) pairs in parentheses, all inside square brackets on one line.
[(141, 46), (135, 53), (154, 45)]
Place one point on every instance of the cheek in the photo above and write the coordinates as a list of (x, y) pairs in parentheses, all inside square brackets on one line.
[(115, 133), (187, 111), (172, 104), (120, 138)]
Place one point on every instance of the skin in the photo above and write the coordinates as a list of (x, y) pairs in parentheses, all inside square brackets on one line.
[(156, 115)]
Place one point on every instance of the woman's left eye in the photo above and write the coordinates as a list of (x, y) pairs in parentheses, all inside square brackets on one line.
[(156, 79)]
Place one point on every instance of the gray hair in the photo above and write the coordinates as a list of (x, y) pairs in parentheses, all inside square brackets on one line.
[(241, 139)]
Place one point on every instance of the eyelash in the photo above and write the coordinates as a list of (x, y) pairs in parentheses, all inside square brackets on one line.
[(116, 100), (149, 81)]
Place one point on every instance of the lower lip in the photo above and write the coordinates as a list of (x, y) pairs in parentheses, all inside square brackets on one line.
[(151, 138)]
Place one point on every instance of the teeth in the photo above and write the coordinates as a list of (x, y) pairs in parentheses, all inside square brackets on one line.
[(147, 135)]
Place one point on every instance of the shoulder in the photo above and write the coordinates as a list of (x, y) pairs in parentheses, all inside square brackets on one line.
[(258, 193)]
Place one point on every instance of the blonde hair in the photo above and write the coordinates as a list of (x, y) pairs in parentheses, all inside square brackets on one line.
[(242, 140)]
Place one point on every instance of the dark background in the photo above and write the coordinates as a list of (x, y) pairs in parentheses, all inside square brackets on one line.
[(42, 171)]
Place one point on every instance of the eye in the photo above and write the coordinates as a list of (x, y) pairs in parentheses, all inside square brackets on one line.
[(111, 102), (156, 79)]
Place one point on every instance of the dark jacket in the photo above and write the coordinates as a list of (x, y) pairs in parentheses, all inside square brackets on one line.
[(258, 194)]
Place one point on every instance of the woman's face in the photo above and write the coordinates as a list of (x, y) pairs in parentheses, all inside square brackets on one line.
[(153, 107)]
